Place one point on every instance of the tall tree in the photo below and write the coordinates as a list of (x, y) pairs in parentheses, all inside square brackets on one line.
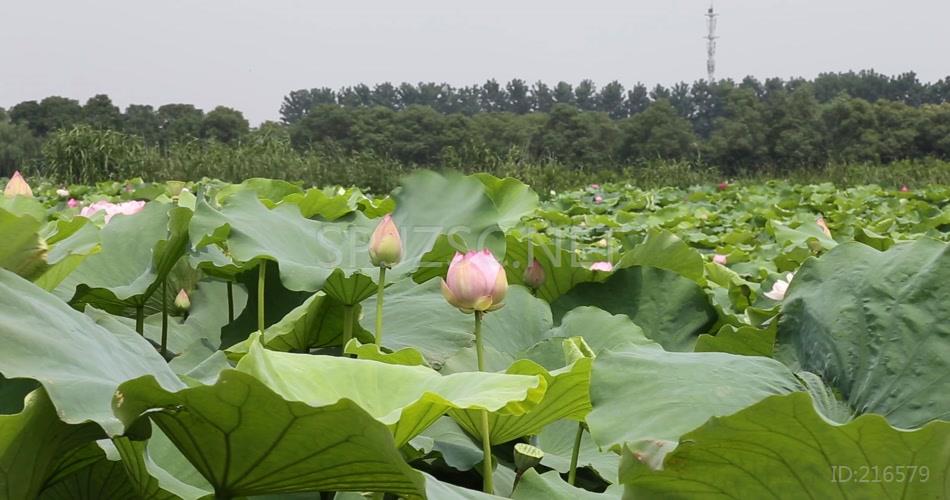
[(99, 112), (585, 95), (519, 101), (224, 124), (611, 100)]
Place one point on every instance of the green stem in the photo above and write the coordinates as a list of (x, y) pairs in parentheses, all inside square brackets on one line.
[(572, 473), (140, 320), (379, 306), (164, 317), (230, 302), (487, 480), (261, 275), (347, 325)]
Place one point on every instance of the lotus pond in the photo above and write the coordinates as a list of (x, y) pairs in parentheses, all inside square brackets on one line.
[(464, 335)]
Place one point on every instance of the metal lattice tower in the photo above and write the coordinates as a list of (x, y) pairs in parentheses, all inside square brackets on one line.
[(711, 43)]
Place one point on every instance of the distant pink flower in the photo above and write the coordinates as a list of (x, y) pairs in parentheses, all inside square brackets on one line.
[(823, 225), (602, 266), (476, 281), (598, 199), (72, 203), (113, 209), (904, 188), (17, 186), (62, 193), (720, 259), (780, 287), (723, 186), (595, 186)]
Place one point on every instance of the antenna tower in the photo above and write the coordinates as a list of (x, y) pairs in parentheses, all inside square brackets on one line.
[(711, 43)]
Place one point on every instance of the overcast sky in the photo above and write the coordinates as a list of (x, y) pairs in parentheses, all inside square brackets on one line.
[(248, 54)]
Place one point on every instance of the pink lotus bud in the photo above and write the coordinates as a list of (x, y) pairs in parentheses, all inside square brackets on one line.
[(598, 199), (823, 225), (720, 259), (595, 186), (385, 245), (904, 188), (182, 301), (62, 193), (534, 274), (780, 287), (475, 282), (17, 186), (723, 186), (72, 203), (602, 266)]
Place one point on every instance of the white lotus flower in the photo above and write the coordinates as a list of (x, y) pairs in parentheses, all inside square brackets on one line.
[(780, 287)]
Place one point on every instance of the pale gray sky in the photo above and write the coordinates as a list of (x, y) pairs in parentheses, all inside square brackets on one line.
[(248, 54)]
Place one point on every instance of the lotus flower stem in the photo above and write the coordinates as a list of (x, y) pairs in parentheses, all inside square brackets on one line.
[(347, 325), (230, 302), (261, 275), (572, 472), (164, 350), (379, 306), (487, 480), (140, 319)]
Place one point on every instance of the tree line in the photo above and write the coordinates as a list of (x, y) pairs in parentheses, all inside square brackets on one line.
[(733, 126)]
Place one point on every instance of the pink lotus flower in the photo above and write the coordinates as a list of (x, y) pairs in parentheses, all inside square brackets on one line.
[(602, 266), (72, 203), (723, 186), (823, 225), (17, 186), (904, 188), (720, 259), (780, 287), (475, 282), (113, 209), (534, 274), (598, 199), (595, 186), (385, 245)]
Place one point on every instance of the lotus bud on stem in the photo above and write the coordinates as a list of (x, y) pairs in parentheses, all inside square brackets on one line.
[(476, 283), (576, 348), (385, 251)]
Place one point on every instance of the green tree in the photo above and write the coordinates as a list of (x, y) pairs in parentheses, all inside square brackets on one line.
[(142, 120), (99, 112), (794, 132), (657, 133), (224, 124), (179, 122), (738, 140), (18, 147), (519, 100), (577, 138), (611, 100), (850, 129)]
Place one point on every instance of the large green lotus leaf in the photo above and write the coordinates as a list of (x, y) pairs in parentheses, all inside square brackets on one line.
[(550, 486), (557, 442), (78, 362), (747, 340), (782, 448), (441, 490), (668, 393), (21, 249), (506, 333), (417, 316), (307, 251), (148, 475), (567, 396), (247, 440), (315, 323), (70, 243), (31, 444), (876, 326), (450, 441), (278, 303), (271, 190), (671, 309), (349, 290), (599, 329), (663, 250), (562, 269), (315, 202), (22, 205), (138, 251), (512, 198), (407, 398), (88, 473), (405, 356)]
